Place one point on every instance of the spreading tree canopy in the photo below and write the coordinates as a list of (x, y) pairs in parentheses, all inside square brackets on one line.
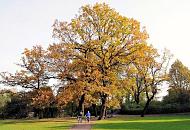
[(93, 59)]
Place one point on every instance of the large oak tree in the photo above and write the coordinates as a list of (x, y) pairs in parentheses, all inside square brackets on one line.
[(102, 41)]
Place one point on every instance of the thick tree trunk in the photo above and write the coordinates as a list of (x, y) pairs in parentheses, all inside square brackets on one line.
[(145, 107), (137, 92), (137, 98), (95, 110), (103, 108), (81, 104), (41, 113), (51, 111)]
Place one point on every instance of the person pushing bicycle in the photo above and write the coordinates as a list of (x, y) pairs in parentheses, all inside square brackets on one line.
[(88, 116)]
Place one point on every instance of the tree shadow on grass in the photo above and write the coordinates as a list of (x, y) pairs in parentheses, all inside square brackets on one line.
[(170, 125)]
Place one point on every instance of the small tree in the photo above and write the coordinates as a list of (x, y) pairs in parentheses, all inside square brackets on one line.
[(33, 73), (179, 84), (155, 75), (43, 98)]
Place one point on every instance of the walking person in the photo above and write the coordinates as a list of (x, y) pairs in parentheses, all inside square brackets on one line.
[(88, 116), (80, 117)]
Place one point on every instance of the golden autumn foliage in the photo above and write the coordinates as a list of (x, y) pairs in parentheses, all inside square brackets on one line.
[(99, 57), (149, 72), (43, 98), (33, 71), (179, 77), (102, 42)]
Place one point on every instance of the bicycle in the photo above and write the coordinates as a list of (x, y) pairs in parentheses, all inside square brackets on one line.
[(88, 119)]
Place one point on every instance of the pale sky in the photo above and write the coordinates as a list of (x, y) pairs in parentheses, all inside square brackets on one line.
[(25, 23)]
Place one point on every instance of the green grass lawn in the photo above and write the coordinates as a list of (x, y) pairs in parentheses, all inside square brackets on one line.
[(169, 122), (43, 124), (176, 122)]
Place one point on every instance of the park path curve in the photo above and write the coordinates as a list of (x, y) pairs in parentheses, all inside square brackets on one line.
[(82, 126)]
